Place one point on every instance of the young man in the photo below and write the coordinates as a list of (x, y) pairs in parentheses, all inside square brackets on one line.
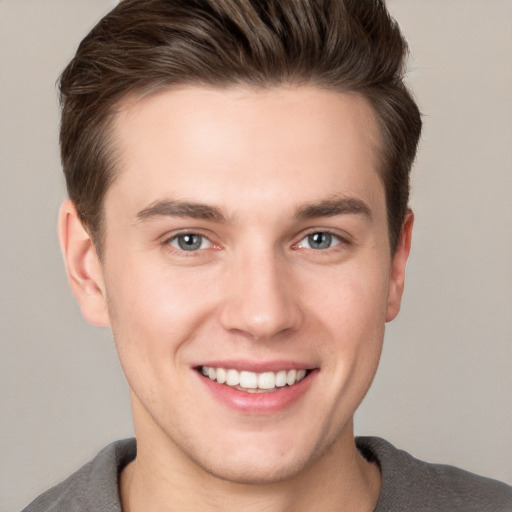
[(238, 183)]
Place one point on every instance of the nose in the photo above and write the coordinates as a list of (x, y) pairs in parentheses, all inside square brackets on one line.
[(261, 301)]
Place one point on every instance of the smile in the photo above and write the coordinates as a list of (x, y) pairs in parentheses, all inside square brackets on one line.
[(253, 382)]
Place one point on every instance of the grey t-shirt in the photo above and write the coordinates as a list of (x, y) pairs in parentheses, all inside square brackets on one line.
[(408, 485)]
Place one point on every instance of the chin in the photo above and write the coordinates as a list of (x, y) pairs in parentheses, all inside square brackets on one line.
[(267, 464), (254, 472)]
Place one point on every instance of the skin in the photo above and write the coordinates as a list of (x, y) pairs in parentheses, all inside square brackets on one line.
[(255, 291)]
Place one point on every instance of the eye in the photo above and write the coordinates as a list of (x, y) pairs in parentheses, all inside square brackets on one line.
[(190, 242), (319, 240)]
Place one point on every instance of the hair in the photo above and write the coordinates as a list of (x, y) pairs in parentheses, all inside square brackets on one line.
[(144, 46)]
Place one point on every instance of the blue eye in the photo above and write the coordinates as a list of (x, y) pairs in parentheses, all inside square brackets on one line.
[(319, 241), (190, 242)]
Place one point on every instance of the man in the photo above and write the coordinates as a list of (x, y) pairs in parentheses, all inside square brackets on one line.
[(238, 182)]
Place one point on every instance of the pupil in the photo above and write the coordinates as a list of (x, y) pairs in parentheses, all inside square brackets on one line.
[(320, 240), (189, 242)]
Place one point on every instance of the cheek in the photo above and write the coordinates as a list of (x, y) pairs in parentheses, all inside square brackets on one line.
[(153, 318), (353, 313), (154, 311), (354, 297), (151, 292)]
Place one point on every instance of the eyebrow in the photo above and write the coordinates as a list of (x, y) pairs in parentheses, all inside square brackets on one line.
[(333, 207), (325, 208), (172, 208)]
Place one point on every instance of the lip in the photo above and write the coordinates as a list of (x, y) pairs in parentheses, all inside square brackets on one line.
[(257, 366), (263, 403)]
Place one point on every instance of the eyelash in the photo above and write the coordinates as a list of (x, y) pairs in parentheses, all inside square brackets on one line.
[(174, 241), (332, 237)]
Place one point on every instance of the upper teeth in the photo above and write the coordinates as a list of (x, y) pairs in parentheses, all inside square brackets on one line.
[(252, 380)]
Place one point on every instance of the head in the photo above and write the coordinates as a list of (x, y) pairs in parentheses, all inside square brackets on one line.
[(143, 47), (241, 168)]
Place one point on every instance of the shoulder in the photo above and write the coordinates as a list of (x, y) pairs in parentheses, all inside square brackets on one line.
[(411, 484), (94, 487)]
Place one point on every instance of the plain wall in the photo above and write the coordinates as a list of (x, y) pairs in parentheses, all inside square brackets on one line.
[(444, 387)]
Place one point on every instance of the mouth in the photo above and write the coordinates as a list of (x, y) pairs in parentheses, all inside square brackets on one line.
[(254, 382)]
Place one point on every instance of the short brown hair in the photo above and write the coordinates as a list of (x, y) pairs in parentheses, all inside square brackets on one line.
[(143, 46)]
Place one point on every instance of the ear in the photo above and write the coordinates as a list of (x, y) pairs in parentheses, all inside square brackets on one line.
[(397, 276), (85, 274)]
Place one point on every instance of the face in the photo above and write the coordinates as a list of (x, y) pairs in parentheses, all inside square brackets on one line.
[(247, 273)]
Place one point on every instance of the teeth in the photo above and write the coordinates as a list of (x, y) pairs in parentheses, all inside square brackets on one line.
[(233, 378), (221, 375), (251, 380), (291, 377), (248, 380), (267, 380), (281, 378)]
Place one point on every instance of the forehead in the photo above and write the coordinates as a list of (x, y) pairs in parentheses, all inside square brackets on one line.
[(214, 145)]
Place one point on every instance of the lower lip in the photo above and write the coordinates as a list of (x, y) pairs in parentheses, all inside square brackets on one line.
[(262, 402)]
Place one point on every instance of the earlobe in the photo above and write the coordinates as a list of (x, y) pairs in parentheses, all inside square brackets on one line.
[(83, 266), (397, 277)]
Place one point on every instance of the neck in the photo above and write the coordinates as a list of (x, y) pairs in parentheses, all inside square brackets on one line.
[(167, 480)]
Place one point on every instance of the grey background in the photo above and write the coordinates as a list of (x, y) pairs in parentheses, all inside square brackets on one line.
[(444, 388)]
